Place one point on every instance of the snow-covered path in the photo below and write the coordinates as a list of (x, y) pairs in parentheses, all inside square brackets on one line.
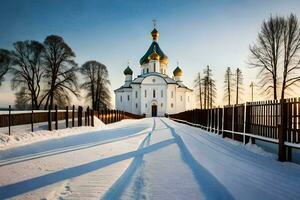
[(152, 158)]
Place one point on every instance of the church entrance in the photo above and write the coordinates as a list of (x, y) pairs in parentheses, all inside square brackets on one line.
[(154, 110)]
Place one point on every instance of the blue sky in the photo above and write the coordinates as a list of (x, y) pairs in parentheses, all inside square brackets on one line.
[(196, 33)]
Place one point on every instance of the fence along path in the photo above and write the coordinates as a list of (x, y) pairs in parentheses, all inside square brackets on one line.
[(272, 121), (73, 117)]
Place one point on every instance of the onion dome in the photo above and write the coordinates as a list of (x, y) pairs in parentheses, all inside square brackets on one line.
[(154, 56), (155, 34), (177, 72), (128, 71), (154, 47)]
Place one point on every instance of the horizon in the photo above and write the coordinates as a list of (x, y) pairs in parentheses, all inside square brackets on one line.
[(195, 33)]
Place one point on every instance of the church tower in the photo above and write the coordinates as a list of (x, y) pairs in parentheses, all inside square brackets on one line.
[(154, 60)]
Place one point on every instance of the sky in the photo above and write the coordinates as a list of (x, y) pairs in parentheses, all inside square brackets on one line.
[(195, 33)]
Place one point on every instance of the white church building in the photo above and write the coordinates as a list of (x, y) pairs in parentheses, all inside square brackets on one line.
[(153, 92)]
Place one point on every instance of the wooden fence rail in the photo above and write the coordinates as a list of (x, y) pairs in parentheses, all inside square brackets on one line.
[(55, 116), (272, 121)]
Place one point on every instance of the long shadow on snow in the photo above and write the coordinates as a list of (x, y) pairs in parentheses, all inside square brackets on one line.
[(208, 184), (65, 150), (55, 144), (22, 187), (122, 183)]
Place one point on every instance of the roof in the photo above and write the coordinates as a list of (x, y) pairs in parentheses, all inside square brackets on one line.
[(140, 79)]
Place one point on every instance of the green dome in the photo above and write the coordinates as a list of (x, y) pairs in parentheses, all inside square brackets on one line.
[(128, 71), (177, 72)]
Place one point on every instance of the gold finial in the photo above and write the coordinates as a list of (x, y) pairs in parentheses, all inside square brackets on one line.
[(154, 33)]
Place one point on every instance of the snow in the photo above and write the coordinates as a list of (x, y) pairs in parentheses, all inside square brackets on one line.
[(21, 135), (152, 158)]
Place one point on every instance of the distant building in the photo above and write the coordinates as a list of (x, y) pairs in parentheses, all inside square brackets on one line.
[(153, 92)]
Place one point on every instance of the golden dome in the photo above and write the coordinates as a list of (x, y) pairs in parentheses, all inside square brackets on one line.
[(154, 56), (155, 34), (164, 60), (177, 72)]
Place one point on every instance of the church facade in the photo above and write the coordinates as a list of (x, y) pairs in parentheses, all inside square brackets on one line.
[(153, 92)]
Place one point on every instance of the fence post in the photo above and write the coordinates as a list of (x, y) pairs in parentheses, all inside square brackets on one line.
[(49, 119), (67, 116), (92, 118), (73, 116), (56, 118), (79, 117), (282, 131), (9, 118), (232, 127), (245, 120), (223, 116), (88, 115), (31, 119)]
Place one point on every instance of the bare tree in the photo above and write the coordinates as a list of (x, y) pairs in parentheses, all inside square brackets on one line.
[(27, 70), (291, 57), (60, 71), (5, 63), (239, 85), (209, 86), (96, 84), (266, 53), (198, 86), (228, 86)]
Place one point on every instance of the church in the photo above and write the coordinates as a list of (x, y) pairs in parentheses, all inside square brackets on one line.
[(153, 92)]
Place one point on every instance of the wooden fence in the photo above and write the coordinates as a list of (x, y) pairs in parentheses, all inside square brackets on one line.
[(272, 121), (72, 117)]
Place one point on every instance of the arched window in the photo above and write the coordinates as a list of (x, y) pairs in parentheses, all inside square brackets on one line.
[(161, 105), (172, 94), (128, 97), (180, 98), (154, 67), (136, 105), (121, 98), (145, 93), (136, 94), (153, 93), (147, 70), (171, 105), (161, 93)]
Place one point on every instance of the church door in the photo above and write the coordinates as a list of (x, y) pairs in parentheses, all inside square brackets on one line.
[(154, 110)]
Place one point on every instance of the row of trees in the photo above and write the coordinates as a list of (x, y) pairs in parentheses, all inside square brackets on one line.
[(44, 74), (206, 87), (233, 84), (276, 54)]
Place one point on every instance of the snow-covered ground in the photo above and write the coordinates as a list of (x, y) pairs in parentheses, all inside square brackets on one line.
[(152, 158)]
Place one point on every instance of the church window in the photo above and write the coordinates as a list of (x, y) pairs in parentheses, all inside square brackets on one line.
[(136, 94), (136, 105), (146, 105), (121, 98), (161, 105), (154, 67), (161, 93), (145, 93), (180, 98), (172, 94), (147, 70), (128, 97), (153, 80), (188, 98), (171, 105), (153, 93)]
